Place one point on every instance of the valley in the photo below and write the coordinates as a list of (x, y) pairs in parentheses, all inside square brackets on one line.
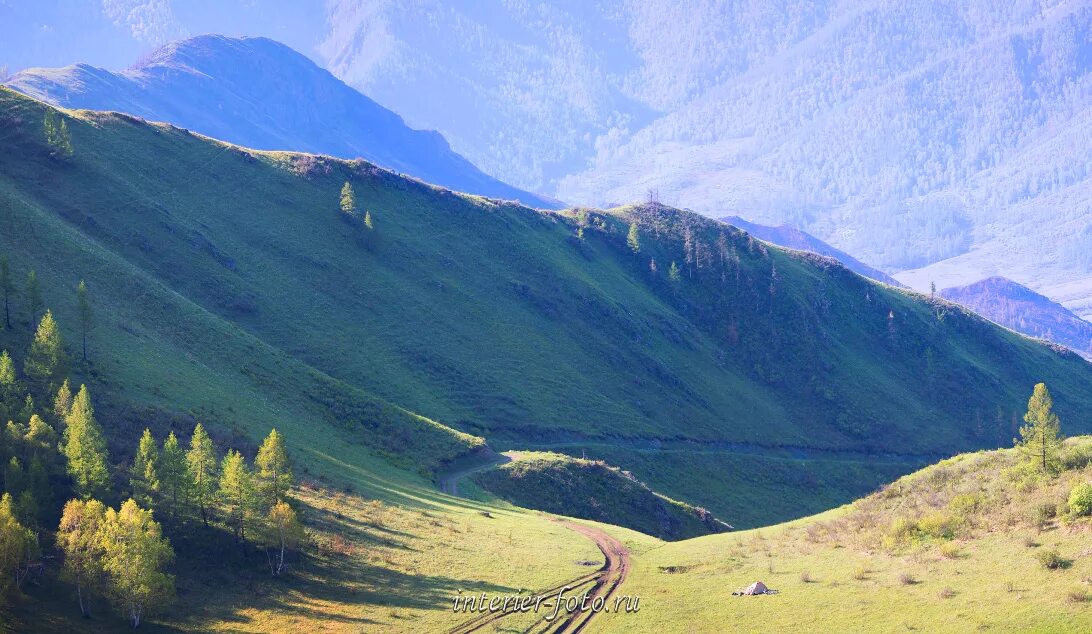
[(400, 334)]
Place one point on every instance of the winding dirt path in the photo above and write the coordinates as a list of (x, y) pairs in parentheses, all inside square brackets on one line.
[(604, 582)]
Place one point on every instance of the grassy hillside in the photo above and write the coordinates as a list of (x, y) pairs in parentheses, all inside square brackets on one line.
[(594, 490), (958, 546), (229, 285)]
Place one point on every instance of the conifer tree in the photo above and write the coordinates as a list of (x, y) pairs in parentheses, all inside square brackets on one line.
[(13, 476), (9, 389), (57, 135), (63, 403), (142, 475), (201, 462), (45, 360), (79, 537), (33, 292), (28, 410), (368, 220), (135, 552), (40, 440), (1041, 437), (7, 286), (274, 476), (173, 475), (633, 239), (83, 306), (85, 448), (673, 272), (236, 493), (348, 199)]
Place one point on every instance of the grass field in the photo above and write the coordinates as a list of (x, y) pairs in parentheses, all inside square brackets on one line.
[(834, 573)]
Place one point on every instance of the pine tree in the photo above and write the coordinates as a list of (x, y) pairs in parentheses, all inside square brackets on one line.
[(83, 307), (33, 292), (633, 239), (63, 403), (173, 476), (9, 389), (85, 448), (201, 462), (274, 476), (368, 220), (79, 537), (57, 135), (142, 475), (673, 272), (1041, 437), (348, 199), (281, 533), (134, 555), (45, 360), (236, 493), (8, 288)]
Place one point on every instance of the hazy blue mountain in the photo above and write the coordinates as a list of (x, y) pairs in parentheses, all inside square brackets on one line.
[(946, 141), (262, 94), (1022, 309), (793, 238)]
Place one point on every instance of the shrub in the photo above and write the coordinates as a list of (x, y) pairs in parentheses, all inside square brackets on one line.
[(938, 525), (946, 593), (1043, 512), (805, 577), (1080, 499), (966, 505), (907, 579), (1076, 594), (860, 574), (949, 551), (1051, 559)]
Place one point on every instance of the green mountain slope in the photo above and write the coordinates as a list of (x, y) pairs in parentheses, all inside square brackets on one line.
[(232, 277)]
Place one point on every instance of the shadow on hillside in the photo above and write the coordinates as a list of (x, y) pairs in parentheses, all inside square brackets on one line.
[(217, 583)]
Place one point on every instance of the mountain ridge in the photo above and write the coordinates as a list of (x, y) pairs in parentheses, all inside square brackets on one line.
[(1018, 307), (792, 237), (262, 94)]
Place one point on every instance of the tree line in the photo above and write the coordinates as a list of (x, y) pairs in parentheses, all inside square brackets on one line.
[(59, 452)]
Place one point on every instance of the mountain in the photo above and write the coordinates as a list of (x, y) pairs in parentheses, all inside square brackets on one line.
[(259, 93), (940, 142), (1022, 309), (229, 285), (793, 238)]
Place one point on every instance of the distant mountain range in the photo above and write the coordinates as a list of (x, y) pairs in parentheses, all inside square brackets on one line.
[(793, 238), (262, 94), (1022, 309)]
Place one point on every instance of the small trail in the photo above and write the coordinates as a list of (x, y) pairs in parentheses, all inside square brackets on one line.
[(603, 583), (449, 482)]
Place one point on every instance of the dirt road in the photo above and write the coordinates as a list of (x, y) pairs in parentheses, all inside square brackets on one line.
[(603, 583)]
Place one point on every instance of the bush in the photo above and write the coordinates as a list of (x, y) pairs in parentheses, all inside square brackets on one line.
[(1080, 499), (1051, 559), (907, 579), (949, 551), (938, 526), (1043, 512), (966, 505)]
